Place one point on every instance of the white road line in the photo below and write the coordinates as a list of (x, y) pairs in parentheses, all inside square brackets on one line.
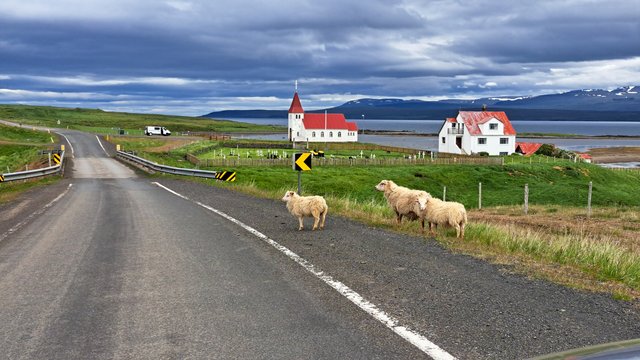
[(100, 142), (34, 214), (411, 336), (73, 154)]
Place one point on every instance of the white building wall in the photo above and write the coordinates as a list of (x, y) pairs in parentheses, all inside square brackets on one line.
[(493, 146)]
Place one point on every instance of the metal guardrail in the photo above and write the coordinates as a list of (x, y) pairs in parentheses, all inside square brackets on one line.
[(166, 169), (29, 174)]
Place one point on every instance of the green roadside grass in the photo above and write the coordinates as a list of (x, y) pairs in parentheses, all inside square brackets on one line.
[(559, 247), (104, 122), (20, 149)]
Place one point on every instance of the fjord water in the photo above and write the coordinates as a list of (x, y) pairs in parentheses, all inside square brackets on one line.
[(417, 129), (588, 128)]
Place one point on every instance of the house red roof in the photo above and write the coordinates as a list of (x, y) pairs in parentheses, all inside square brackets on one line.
[(527, 149), (451, 120), (472, 119), (584, 156), (334, 121), (296, 106)]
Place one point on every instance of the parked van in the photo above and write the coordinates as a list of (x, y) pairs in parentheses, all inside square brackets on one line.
[(156, 130)]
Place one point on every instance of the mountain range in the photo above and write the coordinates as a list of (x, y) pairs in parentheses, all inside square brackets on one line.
[(622, 104)]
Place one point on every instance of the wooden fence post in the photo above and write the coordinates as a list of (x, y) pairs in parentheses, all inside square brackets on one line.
[(526, 199), (444, 194), (479, 195), (589, 200)]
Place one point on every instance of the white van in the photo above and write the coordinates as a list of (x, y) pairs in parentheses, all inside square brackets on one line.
[(156, 130)]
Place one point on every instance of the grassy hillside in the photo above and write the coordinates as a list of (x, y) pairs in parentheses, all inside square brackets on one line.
[(20, 147), (102, 121)]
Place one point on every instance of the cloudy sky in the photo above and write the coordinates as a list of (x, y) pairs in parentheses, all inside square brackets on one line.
[(191, 57)]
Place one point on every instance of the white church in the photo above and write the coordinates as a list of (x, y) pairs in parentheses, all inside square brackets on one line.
[(319, 127)]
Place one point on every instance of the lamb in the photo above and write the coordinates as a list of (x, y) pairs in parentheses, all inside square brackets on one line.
[(302, 206), (438, 212), (401, 200)]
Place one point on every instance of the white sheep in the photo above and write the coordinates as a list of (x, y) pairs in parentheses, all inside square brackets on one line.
[(401, 199), (301, 206), (438, 212)]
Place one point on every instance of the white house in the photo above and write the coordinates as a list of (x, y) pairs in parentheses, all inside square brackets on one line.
[(473, 132), (319, 127)]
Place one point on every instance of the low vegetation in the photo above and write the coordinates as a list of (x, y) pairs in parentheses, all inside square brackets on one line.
[(104, 122), (20, 150)]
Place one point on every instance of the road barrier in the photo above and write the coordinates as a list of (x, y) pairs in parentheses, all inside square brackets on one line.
[(29, 174), (163, 168)]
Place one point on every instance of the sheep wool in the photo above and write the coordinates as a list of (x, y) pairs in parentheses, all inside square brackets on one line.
[(401, 199), (438, 212), (309, 206)]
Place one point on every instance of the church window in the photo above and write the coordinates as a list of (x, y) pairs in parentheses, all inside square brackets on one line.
[(339, 134), (321, 133), (330, 133)]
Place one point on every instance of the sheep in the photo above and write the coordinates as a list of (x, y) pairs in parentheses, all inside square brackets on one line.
[(438, 212), (401, 200), (302, 206)]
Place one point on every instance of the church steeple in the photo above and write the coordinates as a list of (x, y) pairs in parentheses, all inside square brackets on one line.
[(296, 107)]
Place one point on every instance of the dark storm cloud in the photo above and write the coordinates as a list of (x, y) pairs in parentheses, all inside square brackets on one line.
[(199, 56)]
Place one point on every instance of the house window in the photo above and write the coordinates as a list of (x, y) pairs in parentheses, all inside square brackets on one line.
[(321, 133), (298, 133), (330, 133), (453, 125), (313, 134), (444, 140), (503, 153), (339, 134), (482, 141), (493, 126), (504, 141)]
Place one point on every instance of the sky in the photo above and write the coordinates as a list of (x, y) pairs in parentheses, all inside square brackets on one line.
[(191, 57)]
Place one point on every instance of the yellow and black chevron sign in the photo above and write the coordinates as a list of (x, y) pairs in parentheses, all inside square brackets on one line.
[(56, 158), (226, 176), (1, 178), (302, 161)]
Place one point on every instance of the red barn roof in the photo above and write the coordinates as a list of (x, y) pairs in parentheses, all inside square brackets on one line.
[(334, 121), (527, 149), (296, 106), (472, 119)]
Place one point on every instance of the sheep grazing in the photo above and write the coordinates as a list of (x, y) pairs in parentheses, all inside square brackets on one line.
[(438, 212), (401, 200), (302, 206)]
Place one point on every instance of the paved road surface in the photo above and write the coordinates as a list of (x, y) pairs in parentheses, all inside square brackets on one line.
[(121, 268)]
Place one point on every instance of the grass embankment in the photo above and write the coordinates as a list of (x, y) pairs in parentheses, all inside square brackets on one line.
[(103, 122), (555, 240), (19, 150)]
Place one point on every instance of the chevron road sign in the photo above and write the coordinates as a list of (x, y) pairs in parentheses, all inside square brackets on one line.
[(302, 161)]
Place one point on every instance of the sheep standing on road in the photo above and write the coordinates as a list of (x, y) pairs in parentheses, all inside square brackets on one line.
[(438, 212), (401, 200), (301, 206)]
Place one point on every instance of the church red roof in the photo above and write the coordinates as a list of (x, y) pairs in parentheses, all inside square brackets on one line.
[(296, 106), (334, 122), (472, 119)]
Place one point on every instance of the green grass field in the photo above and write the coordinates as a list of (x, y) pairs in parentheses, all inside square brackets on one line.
[(96, 120)]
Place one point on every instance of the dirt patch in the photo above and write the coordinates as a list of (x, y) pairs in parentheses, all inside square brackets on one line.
[(170, 145), (614, 155)]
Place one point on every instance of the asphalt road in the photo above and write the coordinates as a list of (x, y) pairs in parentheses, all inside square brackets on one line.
[(119, 267)]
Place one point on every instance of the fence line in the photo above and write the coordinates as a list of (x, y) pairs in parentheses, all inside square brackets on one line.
[(318, 161)]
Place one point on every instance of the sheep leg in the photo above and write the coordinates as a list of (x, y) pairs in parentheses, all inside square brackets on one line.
[(398, 217), (462, 230), (457, 226), (324, 216), (301, 223), (422, 226), (316, 218), (433, 226)]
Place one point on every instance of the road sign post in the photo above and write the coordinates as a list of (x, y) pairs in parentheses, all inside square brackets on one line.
[(301, 162)]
